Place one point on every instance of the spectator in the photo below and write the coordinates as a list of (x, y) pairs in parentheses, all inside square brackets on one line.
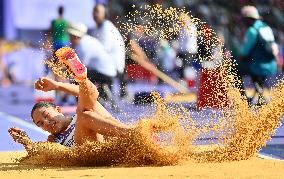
[(187, 42), (5, 78), (258, 51), (166, 57), (59, 27), (60, 38), (112, 41), (101, 66)]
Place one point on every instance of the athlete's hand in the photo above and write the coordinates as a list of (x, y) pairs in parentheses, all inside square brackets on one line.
[(19, 135), (51, 138), (45, 84)]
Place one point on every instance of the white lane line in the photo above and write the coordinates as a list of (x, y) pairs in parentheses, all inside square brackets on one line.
[(22, 123), (264, 156)]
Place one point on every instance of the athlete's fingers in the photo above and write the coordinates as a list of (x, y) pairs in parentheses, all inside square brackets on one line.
[(15, 129), (37, 82), (12, 129), (38, 85), (41, 81), (45, 81)]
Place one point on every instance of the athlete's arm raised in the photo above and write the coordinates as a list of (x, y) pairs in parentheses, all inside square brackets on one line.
[(47, 84)]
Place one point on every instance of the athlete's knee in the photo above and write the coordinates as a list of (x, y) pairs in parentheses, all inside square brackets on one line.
[(87, 113), (82, 111), (84, 114)]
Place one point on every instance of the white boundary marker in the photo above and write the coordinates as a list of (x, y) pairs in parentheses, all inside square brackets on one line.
[(262, 156), (22, 123)]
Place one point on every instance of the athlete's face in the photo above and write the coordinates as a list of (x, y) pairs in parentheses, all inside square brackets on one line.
[(50, 119)]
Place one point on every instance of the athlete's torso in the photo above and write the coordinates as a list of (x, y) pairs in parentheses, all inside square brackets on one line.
[(67, 137)]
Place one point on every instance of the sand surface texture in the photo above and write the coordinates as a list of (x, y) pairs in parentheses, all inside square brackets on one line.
[(252, 168)]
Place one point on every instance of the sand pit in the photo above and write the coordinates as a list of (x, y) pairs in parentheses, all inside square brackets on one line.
[(252, 168)]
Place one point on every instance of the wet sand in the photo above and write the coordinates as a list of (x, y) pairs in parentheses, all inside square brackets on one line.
[(253, 168)]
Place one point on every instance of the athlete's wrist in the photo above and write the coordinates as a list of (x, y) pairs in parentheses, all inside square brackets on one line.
[(57, 85)]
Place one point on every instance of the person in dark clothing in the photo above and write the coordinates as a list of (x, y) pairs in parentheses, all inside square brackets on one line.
[(258, 52)]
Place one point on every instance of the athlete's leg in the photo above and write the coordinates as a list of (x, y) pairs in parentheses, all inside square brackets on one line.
[(88, 92), (92, 118), (88, 95), (105, 125)]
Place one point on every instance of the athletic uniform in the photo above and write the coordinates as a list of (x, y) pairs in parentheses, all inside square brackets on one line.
[(67, 137)]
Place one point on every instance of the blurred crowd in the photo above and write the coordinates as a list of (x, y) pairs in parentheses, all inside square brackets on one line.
[(236, 27), (225, 18), (104, 51)]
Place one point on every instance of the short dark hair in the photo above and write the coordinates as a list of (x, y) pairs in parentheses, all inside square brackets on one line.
[(106, 9), (60, 10), (40, 105)]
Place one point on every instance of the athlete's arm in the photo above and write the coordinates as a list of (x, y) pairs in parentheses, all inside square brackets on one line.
[(47, 84), (20, 136), (68, 88), (104, 125)]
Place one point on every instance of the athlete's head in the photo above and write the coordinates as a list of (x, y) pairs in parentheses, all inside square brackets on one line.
[(49, 117)]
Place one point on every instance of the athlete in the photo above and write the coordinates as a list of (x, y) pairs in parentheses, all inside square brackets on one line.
[(92, 120)]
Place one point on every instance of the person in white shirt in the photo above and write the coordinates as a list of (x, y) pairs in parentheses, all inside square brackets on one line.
[(187, 42), (101, 65), (112, 41)]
